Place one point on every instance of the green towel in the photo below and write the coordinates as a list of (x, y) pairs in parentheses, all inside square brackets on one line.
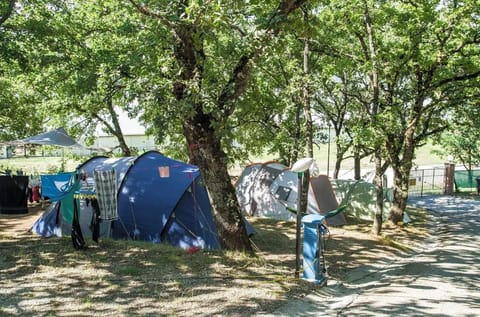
[(66, 205)]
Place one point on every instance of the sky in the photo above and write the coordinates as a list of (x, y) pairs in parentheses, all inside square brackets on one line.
[(128, 126)]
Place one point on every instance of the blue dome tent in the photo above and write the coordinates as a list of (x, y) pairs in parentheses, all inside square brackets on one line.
[(159, 199)]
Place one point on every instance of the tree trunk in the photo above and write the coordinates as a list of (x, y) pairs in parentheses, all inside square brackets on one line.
[(117, 130), (338, 164), (371, 54), (400, 196), (378, 182), (356, 165), (293, 157), (341, 150), (204, 142), (204, 145), (206, 152), (400, 191), (401, 157), (306, 91)]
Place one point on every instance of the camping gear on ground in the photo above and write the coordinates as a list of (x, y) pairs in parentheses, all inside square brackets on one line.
[(173, 207), (314, 266), (13, 194), (270, 190)]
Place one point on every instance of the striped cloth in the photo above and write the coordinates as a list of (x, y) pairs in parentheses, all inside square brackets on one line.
[(106, 190)]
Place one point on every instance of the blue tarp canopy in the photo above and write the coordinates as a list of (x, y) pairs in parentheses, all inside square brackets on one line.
[(58, 137)]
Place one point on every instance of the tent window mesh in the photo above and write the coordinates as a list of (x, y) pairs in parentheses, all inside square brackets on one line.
[(282, 193)]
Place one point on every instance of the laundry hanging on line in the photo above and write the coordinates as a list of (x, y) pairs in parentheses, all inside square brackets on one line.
[(106, 191)]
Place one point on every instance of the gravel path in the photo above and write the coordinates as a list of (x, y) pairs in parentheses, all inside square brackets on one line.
[(441, 278)]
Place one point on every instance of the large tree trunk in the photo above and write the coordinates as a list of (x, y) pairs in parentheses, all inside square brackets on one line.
[(400, 196), (400, 190), (206, 152), (401, 151), (204, 142)]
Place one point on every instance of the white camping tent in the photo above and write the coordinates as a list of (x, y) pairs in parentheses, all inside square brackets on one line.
[(270, 190)]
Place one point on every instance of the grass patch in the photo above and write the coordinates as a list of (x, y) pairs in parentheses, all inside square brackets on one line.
[(39, 165), (41, 277), (130, 270)]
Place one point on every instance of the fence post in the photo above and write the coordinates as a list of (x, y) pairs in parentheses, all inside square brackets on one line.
[(422, 182), (448, 179), (433, 179)]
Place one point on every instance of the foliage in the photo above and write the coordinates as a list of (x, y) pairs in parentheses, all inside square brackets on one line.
[(411, 63), (19, 112), (385, 74), (462, 139)]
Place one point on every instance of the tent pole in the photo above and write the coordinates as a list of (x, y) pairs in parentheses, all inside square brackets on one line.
[(298, 227)]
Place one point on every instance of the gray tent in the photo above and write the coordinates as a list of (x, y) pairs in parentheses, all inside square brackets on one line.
[(58, 137), (270, 190)]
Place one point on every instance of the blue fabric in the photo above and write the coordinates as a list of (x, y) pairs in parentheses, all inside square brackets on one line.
[(57, 186), (148, 203), (152, 207), (193, 223), (47, 225)]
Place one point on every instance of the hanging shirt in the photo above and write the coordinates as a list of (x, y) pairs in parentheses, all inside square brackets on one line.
[(106, 190)]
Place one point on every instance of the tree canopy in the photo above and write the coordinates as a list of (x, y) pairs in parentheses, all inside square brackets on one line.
[(218, 81)]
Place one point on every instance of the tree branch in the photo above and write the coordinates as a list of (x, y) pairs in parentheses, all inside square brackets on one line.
[(456, 79), (283, 10), (235, 85), (239, 79), (148, 12), (9, 12)]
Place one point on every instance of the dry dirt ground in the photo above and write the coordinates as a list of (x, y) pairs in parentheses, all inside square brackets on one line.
[(48, 277)]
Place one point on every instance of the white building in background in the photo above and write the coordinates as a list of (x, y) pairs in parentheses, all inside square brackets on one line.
[(133, 132), (140, 142)]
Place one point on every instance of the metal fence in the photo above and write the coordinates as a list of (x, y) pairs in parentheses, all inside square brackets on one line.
[(466, 181), (427, 181)]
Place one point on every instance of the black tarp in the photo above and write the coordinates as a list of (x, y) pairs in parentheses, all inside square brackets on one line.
[(13, 194)]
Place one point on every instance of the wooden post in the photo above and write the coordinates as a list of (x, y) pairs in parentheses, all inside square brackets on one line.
[(448, 179)]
